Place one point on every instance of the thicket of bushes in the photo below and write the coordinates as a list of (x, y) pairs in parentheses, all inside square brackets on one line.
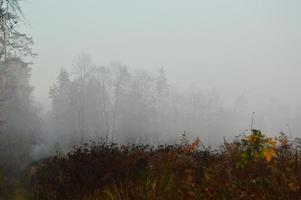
[(251, 167)]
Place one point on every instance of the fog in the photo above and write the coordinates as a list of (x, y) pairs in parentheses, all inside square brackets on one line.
[(215, 45), (127, 105), (145, 72)]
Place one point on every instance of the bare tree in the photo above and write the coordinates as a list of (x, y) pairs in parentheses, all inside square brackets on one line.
[(104, 87), (12, 42), (121, 78), (82, 65)]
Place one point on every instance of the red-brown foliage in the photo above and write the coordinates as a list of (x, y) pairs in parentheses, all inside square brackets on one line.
[(247, 168)]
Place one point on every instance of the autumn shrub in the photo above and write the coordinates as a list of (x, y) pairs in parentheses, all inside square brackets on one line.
[(254, 167), (251, 167), (87, 168)]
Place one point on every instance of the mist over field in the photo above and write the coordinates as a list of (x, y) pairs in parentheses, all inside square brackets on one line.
[(147, 72), (221, 61), (144, 73)]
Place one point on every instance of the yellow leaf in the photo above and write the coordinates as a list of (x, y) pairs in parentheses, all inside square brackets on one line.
[(269, 154)]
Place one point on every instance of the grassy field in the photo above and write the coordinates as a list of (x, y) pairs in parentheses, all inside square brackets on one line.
[(251, 167)]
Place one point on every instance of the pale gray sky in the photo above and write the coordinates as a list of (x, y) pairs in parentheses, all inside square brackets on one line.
[(235, 46)]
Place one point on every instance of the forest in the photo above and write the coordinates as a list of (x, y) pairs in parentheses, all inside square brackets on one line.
[(116, 132)]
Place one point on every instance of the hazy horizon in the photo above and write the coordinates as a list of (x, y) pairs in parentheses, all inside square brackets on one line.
[(235, 47), (152, 99)]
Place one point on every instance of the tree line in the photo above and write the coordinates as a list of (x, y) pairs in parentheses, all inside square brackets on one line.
[(129, 106)]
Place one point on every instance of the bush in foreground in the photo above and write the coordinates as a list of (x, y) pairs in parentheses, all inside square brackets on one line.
[(251, 167)]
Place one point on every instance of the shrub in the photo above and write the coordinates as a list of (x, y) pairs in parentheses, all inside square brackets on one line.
[(251, 167)]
